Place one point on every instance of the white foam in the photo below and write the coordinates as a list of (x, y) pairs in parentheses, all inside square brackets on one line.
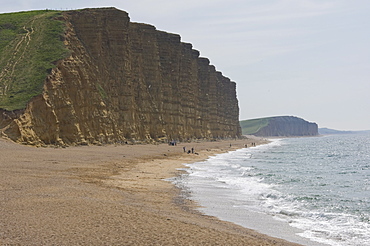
[(229, 186)]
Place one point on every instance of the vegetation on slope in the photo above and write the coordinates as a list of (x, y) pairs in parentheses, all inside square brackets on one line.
[(250, 127), (30, 44)]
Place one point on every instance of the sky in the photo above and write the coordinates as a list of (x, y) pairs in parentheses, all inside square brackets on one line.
[(304, 58)]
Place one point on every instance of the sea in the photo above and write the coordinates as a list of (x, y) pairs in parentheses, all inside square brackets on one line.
[(310, 190)]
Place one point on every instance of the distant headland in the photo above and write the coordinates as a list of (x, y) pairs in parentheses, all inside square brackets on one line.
[(328, 131), (279, 126)]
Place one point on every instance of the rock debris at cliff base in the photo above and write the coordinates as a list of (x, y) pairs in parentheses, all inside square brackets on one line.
[(126, 81)]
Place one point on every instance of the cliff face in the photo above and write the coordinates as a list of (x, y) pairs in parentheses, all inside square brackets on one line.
[(125, 81), (288, 126)]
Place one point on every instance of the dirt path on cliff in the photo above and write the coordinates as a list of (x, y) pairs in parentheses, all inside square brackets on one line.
[(107, 195), (21, 47)]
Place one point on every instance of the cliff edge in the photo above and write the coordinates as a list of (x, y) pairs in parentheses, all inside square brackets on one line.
[(280, 126), (123, 81)]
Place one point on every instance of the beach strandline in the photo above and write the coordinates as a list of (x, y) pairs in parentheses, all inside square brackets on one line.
[(109, 195)]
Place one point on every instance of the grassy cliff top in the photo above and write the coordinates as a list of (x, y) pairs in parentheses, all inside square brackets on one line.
[(250, 127), (30, 42)]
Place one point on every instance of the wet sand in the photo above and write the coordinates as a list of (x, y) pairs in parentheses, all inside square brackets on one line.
[(108, 195)]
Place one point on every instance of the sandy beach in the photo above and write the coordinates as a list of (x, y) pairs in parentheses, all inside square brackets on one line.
[(109, 195)]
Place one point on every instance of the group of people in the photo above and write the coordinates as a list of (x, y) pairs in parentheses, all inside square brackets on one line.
[(253, 145), (188, 151), (172, 143)]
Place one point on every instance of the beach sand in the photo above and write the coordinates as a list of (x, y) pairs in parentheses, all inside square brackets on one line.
[(109, 195)]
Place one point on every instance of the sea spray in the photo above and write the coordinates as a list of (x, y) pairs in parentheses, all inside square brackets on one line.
[(315, 188)]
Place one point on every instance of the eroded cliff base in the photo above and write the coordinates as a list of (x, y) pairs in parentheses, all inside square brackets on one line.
[(125, 81)]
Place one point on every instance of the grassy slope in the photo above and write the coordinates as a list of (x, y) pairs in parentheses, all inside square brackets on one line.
[(29, 44), (249, 127)]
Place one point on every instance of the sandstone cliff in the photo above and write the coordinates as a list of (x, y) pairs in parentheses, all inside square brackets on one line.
[(125, 81), (287, 126)]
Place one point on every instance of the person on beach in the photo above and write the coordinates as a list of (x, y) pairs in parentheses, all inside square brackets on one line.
[(184, 148), (192, 150)]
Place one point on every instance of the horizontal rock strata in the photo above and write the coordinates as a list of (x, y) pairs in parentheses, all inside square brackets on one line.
[(288, 126), (126, 81)]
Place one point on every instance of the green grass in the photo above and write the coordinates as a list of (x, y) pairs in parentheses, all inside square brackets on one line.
[(102, 92), (250, 127), (24, 62)]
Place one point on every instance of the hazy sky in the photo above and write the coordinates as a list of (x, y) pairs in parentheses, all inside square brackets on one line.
[(307, 58)]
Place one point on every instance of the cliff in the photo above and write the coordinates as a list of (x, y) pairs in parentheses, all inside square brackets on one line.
[(125, 81), (328, 131), (287, 126)]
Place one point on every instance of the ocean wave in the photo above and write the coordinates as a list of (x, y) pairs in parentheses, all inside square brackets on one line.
[(313, 184)]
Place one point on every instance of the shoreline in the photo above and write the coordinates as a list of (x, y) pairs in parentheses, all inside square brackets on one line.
[(207, 192), (109, 195)]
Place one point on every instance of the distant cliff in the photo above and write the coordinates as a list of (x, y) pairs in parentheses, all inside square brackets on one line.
[(124, 81), (328, 131), (287, 126)]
